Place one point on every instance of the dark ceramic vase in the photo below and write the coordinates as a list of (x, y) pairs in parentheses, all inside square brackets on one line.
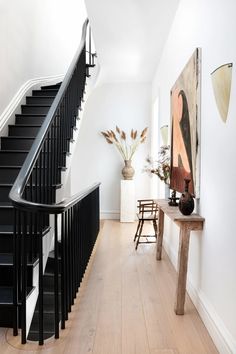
[(186, 202)]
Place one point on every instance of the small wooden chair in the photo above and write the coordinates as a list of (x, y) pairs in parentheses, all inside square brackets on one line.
[(147, 211)]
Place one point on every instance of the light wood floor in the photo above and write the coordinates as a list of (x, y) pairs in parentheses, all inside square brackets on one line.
[(125, 306)]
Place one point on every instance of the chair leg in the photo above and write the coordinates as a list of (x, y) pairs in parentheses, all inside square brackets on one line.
[(137, 231), (139, 234), (155, 228)]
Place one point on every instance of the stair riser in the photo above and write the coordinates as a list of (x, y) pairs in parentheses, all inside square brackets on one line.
[(40, 100), (8, 175), (6, 216), (17, 158), (5, 190), (17, 130), (35, 109), (16, 144), (48, 302), (6, 316), (48, 283), (51, 87), (12, 158), (34, 337), (20, 144), (48, 322), (44, 92), (6, 275), (6, 243), (50, 265), (23, 119)]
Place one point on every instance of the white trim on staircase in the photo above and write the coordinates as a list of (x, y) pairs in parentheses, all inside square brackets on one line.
[(13, 107)]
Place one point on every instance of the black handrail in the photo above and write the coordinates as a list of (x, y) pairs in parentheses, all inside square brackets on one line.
[(23, 176)]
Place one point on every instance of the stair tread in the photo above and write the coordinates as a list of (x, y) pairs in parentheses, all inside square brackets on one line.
[(36, 105), (35, 331), (25, 125), (18, 137), (19, 151), (40, 96), (31, 115), (58, 185), (50, 274)]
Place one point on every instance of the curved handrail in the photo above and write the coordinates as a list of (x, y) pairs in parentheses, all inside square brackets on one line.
[(28, 165), (56, 208)]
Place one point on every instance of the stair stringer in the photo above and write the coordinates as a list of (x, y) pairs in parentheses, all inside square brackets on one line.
[(91, 83), (8, 115)]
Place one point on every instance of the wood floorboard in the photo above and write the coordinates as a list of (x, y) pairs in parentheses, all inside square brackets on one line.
[(125, 306)]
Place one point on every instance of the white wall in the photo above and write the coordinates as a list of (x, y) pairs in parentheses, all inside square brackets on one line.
[(210, 25), (37, 39), (128, 106), (129, 36)]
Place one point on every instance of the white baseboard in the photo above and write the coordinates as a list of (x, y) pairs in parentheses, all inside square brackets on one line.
[(223, 340), (110, 214), (8, 115)]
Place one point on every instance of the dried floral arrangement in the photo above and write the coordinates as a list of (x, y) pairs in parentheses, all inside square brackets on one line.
[(125, 146), (160, 167)]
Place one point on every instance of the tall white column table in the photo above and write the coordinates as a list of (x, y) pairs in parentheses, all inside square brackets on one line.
[(127, 200)]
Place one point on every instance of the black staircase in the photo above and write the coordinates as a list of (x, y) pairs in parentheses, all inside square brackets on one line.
[(14, 149), (32, 157)]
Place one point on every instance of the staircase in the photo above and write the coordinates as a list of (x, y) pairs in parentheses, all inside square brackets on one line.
[(14, 149), (31, 160)]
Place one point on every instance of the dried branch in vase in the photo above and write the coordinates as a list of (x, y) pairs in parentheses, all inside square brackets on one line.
[(125, 146), (160, 167)]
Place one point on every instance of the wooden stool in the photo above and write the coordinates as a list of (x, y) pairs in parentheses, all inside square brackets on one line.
[(147, 211)]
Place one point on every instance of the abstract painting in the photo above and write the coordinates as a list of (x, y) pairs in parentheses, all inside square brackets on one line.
[(221, 82), (185, 97)]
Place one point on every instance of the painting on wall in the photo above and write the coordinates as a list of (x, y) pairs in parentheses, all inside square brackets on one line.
[(185, 108), (221, 82)]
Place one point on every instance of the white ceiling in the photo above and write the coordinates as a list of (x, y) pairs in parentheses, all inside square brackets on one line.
[(129, 36)]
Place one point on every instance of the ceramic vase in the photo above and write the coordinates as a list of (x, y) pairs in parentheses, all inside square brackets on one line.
[(128, 171), (186, 202)]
